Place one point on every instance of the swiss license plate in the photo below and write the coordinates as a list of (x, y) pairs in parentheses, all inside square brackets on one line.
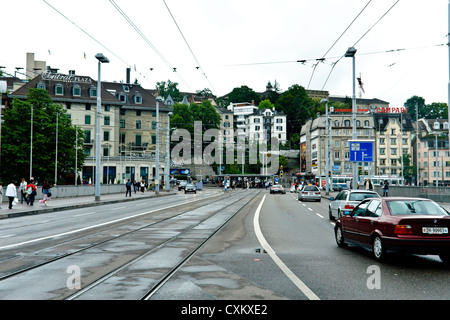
[(434, 230)]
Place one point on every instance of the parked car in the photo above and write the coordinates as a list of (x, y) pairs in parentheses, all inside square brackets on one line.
[(190, 187), (310, 193), (386, 225), (347, 200), (182, 185), (277, 188)]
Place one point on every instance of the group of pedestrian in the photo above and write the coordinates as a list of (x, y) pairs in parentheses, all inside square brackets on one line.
[(27, 192), (137, 185)]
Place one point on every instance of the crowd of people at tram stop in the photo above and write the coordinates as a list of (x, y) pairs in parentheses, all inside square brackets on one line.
[(25, 191)]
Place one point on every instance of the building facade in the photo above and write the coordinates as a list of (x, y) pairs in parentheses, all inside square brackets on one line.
[(128, 124), (433, 156)]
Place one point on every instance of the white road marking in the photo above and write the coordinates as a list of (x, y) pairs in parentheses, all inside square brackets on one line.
[(94, 226), (311, 295)]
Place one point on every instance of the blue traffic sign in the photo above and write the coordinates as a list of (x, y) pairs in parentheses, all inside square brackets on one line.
[(361, 151)]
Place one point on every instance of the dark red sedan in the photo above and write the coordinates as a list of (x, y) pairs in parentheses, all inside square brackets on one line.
[(385, 225)]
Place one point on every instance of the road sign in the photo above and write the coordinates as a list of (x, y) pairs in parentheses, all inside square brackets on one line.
[(361, 150)]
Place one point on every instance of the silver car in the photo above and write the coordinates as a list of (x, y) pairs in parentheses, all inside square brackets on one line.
[(190, 187), (347, 200), (309, 193)]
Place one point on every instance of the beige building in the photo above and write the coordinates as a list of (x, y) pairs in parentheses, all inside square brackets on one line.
[(128, 124), (394, 139), (433, 152)]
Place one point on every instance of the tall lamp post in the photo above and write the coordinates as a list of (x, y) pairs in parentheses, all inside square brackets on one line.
[(327, 148), (101, 59), (167, 171), (351, 54), (158, 99)]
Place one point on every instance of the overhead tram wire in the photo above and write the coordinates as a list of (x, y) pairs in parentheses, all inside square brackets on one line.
[(370, 29), (86, 33), (342, 34), (189, 47), (94, 39), (147, 40)]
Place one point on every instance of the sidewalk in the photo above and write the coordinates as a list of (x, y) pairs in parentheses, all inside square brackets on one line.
[(59, 204)]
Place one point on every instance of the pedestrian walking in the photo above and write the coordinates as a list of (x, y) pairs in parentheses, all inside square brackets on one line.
[(46, 191), (142, 186), (1, 194), (385, 188), (11, 193), (23, 190), (31, 192), (128, 187), (369, 185)]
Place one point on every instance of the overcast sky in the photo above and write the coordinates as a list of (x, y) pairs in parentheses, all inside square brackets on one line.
[(240, 42)]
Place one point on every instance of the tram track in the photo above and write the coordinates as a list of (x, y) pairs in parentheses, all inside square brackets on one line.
[(182, 234)]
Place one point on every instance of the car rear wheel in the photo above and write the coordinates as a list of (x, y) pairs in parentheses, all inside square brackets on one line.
[(339, 237), (330, 214), (379, 252)]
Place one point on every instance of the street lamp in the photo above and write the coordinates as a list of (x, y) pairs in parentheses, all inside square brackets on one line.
[(158, 99), (101, 59), (327, 147), (167, 171), (351, 54)]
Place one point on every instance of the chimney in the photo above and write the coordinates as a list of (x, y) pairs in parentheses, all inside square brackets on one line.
[(128, 75)]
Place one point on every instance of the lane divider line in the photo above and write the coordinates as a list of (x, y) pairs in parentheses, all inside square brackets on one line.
[(265, 245)]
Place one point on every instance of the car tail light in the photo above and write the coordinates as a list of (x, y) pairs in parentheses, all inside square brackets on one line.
[(403, 229), (304, 192), (317, 192), (349, 207)]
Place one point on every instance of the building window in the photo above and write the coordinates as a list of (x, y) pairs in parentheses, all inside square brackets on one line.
[(137, 98), (106, 121), (92, 92), (122, 137), (87, 119), (77, 91), (105, 135), (138, 113), (122, 123), (59, 90), (153, 139), (107, 108), (106, 152), (138, 140), (138, 124), (347, 123), (41, 85)]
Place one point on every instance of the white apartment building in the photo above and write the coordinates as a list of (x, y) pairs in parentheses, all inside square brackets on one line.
[(259, 125), (433, 152)]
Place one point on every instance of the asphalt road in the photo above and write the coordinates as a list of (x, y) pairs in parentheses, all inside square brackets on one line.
[(272, 248), (305, 263)]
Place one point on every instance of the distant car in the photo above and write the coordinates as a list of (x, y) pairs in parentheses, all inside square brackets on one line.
[(337, 187), (386, 225), (182, 185), (310, 193), (277, 188), (190, 187), (347, 200)]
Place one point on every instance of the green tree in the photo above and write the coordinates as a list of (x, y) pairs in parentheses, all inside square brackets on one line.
[(165, 88), (266, 104), (243, 94), (296, 105), (16, 140)]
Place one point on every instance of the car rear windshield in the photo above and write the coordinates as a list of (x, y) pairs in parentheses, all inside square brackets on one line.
[(311, 188), (359, 196), (419, 207)]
